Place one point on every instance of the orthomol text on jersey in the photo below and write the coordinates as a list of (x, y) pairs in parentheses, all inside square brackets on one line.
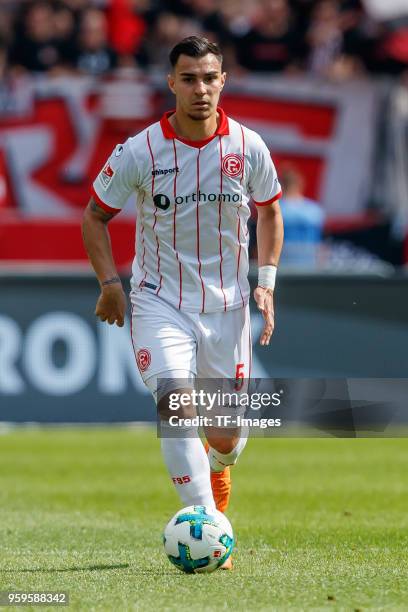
[(162, 201)]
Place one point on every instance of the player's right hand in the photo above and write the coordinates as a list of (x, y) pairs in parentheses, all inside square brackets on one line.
[(111, 305), (264, 300)]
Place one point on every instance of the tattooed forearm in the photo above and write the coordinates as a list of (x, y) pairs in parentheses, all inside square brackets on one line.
[(97, 243)]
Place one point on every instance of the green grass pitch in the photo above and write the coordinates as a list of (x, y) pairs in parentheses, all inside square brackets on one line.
[(322, 524)]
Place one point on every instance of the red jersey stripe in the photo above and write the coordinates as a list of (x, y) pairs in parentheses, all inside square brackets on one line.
[(243, 154), (198, 231), (143, 243), (239, 252), (131, 331), (157, 252), (174, 194), (155, 215), (153, 164), (239, 218), (174, 225), (219, 228)]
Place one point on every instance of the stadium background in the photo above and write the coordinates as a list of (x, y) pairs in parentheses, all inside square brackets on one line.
[(325, 83)]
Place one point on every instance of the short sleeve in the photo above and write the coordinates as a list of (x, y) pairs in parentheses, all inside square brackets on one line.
[(264, 185), (117, 179)]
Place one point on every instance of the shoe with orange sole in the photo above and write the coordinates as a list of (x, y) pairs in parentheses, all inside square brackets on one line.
[(221, 488), (227, 565)]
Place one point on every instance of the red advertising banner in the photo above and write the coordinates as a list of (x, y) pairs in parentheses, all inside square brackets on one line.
[(56, 134)]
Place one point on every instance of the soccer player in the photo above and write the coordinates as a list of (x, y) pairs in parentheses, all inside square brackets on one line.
[(194, 173)]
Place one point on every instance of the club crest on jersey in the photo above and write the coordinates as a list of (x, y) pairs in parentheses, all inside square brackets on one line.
[(106, 175), (143, 359), (232, 164)]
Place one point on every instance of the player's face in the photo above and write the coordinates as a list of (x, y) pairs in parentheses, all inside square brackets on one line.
[(197, 85)]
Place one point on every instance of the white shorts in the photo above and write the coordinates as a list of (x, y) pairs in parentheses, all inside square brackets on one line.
[(170, 343)]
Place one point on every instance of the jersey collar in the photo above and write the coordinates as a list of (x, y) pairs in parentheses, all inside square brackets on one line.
[(168, 130)]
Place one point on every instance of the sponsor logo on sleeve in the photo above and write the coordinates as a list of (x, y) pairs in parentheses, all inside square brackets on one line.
[(118, 150), (106, 175)]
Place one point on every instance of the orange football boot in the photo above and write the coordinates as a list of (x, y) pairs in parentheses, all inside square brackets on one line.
[(227, 565), (221, 486)]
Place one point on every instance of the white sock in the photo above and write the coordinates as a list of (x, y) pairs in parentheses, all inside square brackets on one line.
[(218, 461), (188, 466)]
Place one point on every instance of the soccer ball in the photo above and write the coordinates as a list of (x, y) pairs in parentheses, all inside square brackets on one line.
[(198, 539)]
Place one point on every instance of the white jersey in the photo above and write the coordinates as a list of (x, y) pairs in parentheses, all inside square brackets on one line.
[(192, 210)]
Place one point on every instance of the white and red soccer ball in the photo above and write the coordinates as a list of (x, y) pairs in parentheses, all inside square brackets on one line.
[(198, 539)]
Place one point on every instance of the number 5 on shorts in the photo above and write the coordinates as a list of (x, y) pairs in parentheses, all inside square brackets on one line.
[(239, 376)]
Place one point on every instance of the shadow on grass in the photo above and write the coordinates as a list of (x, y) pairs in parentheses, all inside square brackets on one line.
[(97, 568), (87, 568)]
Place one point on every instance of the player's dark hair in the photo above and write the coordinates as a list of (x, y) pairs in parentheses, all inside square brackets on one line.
[(194, 46)]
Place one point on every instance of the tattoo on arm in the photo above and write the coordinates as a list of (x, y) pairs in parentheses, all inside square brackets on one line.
[(111, 281), (104, 216)]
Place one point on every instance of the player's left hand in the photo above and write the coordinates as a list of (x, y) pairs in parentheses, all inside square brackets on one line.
[(264, 300)]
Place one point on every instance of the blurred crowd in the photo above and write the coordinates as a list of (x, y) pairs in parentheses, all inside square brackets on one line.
[(334, 39)]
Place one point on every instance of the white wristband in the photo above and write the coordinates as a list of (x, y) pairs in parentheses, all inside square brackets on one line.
[(267, 276)]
